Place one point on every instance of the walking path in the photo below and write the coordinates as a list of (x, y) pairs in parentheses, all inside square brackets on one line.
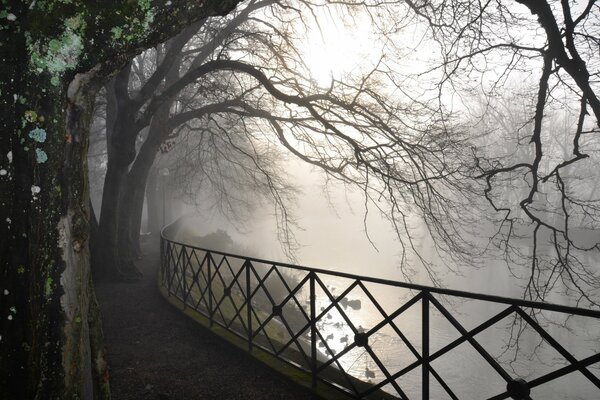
[(156, 352)]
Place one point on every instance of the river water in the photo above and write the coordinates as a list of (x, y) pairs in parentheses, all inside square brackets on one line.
[(333, 238)]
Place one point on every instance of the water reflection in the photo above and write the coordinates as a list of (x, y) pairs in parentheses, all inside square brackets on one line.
[(515, 346)]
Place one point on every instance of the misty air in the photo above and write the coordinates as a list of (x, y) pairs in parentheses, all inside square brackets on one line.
[(300, 200)]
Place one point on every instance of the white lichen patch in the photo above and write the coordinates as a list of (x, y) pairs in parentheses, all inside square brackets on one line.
[(8, 15), (34, 191), (3, 172), (9, 156)]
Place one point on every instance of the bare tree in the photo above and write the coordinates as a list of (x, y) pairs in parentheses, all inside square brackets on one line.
[(465, 48), (354, 131), (145, 99)]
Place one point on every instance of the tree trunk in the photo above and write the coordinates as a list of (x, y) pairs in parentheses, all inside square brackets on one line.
[(121, 136), (50, 336), (133, 194), (152, 203), (94, 240), (110, 264), (132, 201), (136, 215), (131, 212), (47, 307)]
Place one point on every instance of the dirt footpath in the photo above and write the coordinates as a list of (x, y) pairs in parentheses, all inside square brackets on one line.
[(155, 352)]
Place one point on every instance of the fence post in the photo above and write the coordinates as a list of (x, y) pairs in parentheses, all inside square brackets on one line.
[(249, 304), (210, 294), (313, 329), (425, 341)]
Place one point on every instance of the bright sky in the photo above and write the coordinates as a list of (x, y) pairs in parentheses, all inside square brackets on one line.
[(341, 46), (334, 49)]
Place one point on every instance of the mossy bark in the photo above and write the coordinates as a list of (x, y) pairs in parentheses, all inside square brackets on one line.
[(59, 55)]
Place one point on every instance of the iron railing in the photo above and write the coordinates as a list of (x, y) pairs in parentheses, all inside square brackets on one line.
[(286, 310)]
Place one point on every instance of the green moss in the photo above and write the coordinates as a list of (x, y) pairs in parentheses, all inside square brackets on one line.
[(30, 116), (133, 24), (48, 287), (117, 32), (76, 23), (59, 54)]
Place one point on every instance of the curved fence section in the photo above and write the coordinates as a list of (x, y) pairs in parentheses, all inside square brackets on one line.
[(374, 338)]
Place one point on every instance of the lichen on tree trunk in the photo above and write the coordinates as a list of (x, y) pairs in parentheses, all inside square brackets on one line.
[(59, 53)]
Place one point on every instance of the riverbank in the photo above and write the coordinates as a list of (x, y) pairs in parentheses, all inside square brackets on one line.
[(155, 352)]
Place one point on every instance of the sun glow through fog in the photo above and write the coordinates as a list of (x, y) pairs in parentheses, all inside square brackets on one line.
[(333, 50)]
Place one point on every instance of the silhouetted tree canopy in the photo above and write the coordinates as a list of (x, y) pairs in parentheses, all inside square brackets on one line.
[(418, 131)]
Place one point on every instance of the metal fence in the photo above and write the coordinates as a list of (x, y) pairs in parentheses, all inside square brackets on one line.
[(294, 312)]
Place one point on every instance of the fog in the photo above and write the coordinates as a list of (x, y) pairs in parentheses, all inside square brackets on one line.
[(382, 144), (332, 236), (335, 232)]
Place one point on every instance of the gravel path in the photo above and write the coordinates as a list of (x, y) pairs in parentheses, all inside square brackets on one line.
[(155, 352)]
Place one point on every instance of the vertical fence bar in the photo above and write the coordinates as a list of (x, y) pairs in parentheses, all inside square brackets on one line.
[(162, 260), (425, 340), (313, 330), (209, 288), (169, 272), (183, 277), (249, 304)]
